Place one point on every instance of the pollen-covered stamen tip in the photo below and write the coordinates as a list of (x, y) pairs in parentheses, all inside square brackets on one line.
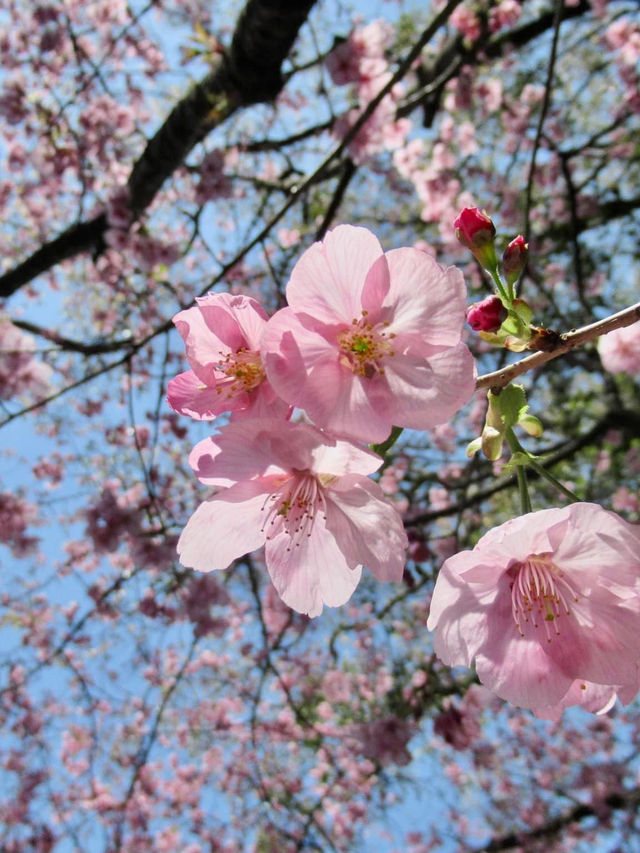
[(244, 370), (540, 596), (365, 345)]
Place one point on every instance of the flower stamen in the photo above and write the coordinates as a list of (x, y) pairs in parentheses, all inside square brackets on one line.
[(243, 369), (294, 506), (540, 596), (364, 346)]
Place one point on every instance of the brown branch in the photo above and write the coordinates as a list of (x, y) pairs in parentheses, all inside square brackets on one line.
[(566, 342), (249, 73), (615, 801)]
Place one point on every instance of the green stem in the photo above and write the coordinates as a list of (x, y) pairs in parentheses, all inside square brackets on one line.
[(523, 488), (542, 471), (507, 295), (384, 446), (516, 447)]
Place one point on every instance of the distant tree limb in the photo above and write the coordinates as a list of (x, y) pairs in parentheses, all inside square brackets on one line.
[(248, 73), (616, 801)]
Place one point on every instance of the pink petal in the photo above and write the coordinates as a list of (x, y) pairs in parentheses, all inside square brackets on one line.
[(223, 528), (426, 298), (312, 573), (521, 674), (236, 321), (423, 394), (333, 397), (187, 394), (344, 458), (367, 528), (328, 280), (458, 614)]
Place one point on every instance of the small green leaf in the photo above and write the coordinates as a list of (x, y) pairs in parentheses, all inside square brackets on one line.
[(512, 402)]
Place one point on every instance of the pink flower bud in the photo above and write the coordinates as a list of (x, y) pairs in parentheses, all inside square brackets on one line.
[(487, 316), (476, 232), (515, 258), (474, 229)]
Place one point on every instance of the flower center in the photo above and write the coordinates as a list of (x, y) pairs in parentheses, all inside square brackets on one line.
[(293, 507), (243, 369), (540, 597), (364, 345)]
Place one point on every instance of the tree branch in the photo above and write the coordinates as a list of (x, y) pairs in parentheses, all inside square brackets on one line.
[(614, 801), (249, 73), (568, 341)]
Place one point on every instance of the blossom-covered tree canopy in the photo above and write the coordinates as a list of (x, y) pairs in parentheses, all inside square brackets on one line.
[(320, 419)]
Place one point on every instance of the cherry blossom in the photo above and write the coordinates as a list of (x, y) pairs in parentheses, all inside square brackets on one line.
[(305, 496), (20, 372), (370, 339), (542, 601), (222, 336), (620, 350)]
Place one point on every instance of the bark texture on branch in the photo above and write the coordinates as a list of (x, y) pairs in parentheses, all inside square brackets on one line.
[(250, 72)]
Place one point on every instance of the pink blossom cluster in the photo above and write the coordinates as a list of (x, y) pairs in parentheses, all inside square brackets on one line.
[(146, 251), (368, 340), (548, 607), (361, 61), (20, 372), (620, 350), (214, 183), (16, 515)]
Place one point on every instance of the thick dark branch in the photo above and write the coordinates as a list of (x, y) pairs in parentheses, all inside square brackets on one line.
[(249, 73), (80, 238)]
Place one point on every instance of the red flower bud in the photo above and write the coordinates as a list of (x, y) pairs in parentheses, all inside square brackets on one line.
[(474, 229), (515, 258), (487, 316)]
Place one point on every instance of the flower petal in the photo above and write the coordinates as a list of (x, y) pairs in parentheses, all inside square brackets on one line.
[(328, 280), (223, 528), (312, 573), (366, 526)]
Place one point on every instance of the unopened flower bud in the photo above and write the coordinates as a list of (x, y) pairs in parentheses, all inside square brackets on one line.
[(487, 316), (515, 258), (476, 232), (474, 228)]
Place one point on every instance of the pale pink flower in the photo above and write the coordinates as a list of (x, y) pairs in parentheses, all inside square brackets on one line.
[(222, 337), (544, 601), (620, 350), (370, 339), (307, 498)]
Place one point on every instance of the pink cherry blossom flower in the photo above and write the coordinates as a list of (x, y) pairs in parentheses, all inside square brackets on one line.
[(542, 602), (307, 498), (222, 336), (370, 339), (620, 350)]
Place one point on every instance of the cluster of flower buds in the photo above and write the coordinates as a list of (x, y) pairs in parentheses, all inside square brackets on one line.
[(501, 319)]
